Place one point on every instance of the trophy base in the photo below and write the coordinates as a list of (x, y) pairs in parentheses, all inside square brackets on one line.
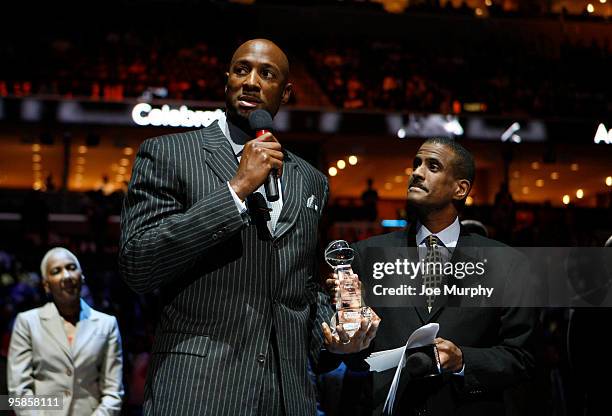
[(350, 319)]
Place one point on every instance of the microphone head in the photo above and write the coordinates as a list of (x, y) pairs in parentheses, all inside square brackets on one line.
[(418, 364), (260, 120)]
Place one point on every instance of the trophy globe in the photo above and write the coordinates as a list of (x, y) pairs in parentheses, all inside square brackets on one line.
[(350, 308)]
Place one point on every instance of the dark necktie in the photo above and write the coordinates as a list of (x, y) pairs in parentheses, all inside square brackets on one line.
[(432, 278)]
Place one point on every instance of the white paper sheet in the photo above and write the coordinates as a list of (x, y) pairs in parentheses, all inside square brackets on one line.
[(384, 360)]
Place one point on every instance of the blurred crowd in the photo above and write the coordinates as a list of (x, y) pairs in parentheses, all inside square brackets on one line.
[(494, 74), (113, 65)]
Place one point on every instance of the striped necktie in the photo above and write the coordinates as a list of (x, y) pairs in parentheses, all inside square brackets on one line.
[(432, 278), (274, 207)]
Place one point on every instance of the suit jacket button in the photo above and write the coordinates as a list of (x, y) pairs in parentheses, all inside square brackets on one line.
[(215, 236), (261, 358), (68, 372)]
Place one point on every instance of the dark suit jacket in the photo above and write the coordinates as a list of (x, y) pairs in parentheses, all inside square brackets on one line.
[(494, 341), (224, 287)]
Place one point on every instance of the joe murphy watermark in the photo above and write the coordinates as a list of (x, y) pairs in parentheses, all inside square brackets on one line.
[(487, 276), (442, 271)]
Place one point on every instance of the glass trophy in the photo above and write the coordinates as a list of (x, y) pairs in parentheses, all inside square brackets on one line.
[(350, 308)]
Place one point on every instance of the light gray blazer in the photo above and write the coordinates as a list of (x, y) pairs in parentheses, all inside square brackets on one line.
[(88, 374)]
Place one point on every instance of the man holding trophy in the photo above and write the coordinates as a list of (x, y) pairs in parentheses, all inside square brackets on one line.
[(478, 352)]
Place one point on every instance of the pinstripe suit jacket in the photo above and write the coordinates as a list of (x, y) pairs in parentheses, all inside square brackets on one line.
[(223, 287)]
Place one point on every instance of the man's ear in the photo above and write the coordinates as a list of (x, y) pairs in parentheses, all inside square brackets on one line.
[(462, 189), (45, 284), (287, 93)]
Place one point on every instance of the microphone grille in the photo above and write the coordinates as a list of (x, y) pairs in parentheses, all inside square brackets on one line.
[(260, 120)]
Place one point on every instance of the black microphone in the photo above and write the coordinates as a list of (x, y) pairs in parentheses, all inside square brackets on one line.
[(260, 121), (418, 365)]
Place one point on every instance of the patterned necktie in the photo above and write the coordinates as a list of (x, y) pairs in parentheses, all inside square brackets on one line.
[(274, 207), (432, 278)]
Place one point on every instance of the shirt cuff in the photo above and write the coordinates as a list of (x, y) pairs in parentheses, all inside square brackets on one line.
[(241, 206), (460, 373)]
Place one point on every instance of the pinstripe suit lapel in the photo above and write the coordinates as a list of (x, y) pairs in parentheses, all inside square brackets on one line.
[(292, 197), (221, 159)]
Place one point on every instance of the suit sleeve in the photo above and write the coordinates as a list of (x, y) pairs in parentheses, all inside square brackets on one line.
[(511, 361), (111, 376), (160, 236), (320, 310), (19, 362)]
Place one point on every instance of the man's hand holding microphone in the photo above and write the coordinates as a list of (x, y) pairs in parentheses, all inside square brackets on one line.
[(262, 159)]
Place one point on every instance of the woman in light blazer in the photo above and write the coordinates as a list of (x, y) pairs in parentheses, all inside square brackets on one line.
[(65, 347)]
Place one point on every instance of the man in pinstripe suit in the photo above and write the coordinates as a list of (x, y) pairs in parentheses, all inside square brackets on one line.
[(241, 307)]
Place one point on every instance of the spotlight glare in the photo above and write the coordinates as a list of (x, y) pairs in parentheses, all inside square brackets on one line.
[(401, 133), (540, 183), (609, 181), (554, 176), (332, 171), (36, 158), (35, 148), (590, 8), (535, 165), (525, 190), (469, 201), (128, 151), (579, 193), (574, 167), (353, 160), (82, 149), (124, 162), (566, 199), (388, 186), (341, 164), (408, 171)]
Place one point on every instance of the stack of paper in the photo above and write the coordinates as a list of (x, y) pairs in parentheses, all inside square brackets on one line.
[(384, 360)]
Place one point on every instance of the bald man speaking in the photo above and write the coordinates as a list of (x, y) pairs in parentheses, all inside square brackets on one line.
[(241, 310)]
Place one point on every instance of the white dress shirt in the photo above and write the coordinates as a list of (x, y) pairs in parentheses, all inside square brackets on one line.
[(449, 237), (275, 206)]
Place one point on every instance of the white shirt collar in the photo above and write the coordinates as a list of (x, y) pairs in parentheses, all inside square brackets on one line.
[(222, 121), (449, 236)]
